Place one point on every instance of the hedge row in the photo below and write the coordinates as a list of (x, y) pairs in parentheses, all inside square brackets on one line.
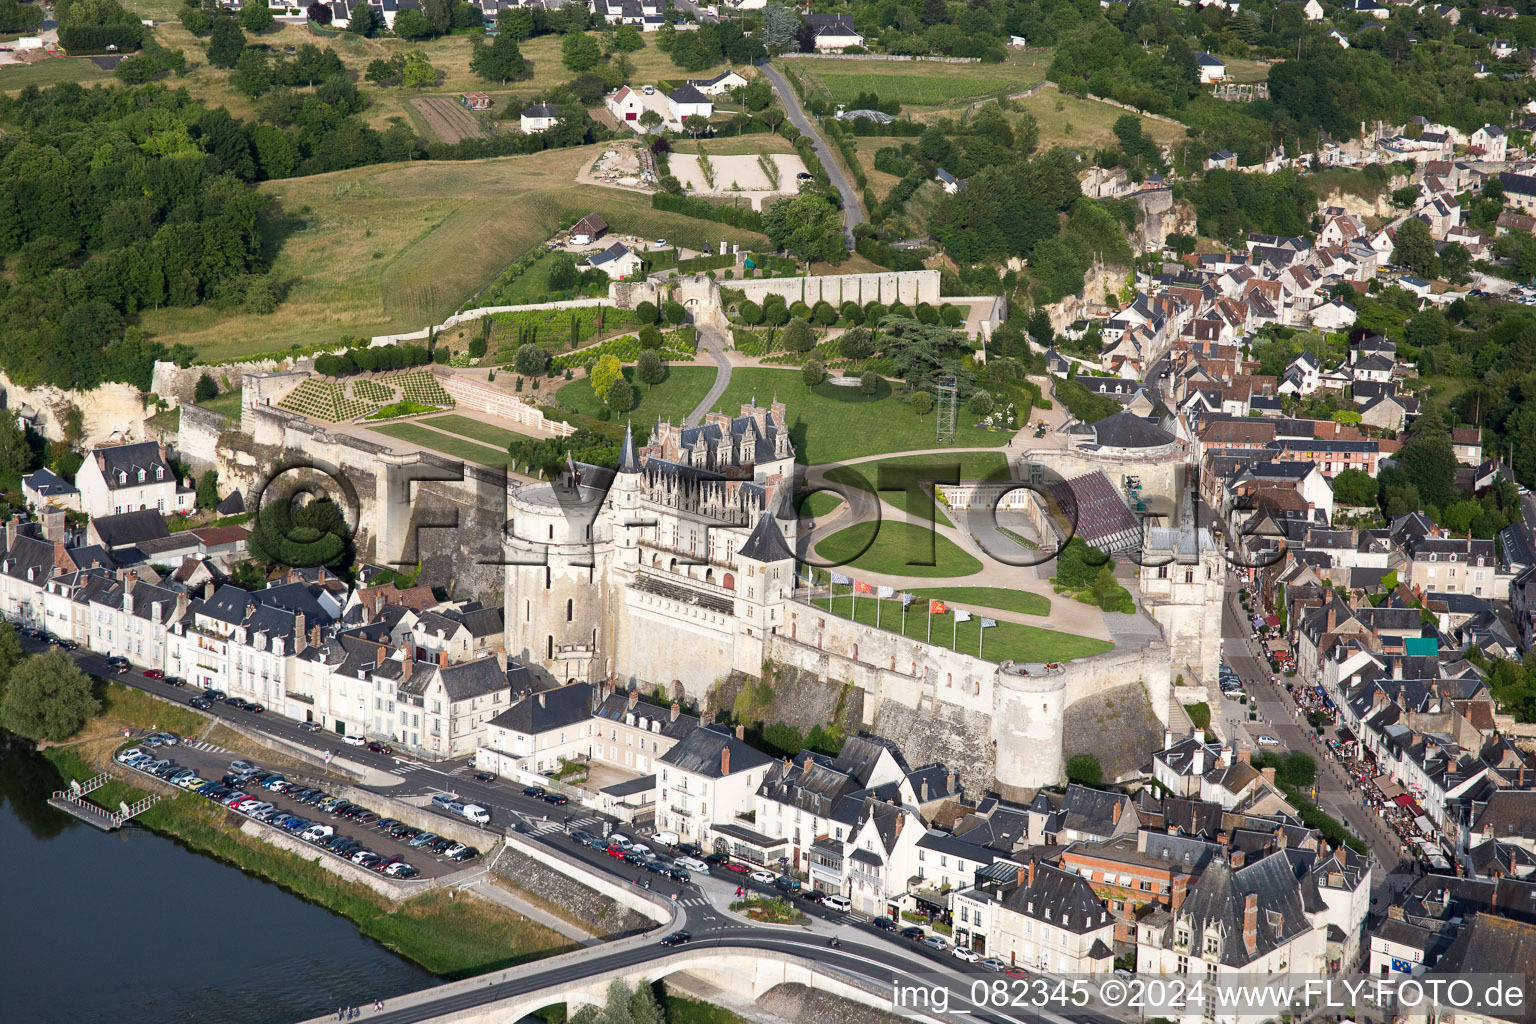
[(743, 217)]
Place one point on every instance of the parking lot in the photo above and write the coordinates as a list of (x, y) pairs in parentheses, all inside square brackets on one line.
[(362, 826)]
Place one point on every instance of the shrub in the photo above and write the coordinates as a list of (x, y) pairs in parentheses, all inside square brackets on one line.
[(531, 360), (647, 312), (852, 312), (751, 312), (1085, 770), (812, 372), (206, 389), (676, 314), (874, 313), (650, 337), (824, 314), (797, 336), (981, 402)]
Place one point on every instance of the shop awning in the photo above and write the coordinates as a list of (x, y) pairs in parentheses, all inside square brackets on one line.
[(1402, 800), (1271, 620), (1389, 789)]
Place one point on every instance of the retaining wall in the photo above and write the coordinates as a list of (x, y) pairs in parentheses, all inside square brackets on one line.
[(483, 396)]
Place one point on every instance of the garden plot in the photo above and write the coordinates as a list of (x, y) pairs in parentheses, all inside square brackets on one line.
[(742, 175)]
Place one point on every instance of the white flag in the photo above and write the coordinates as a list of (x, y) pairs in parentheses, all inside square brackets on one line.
[(907, 599), (988, 623), (885, 592), (962, 616), (841, 580)]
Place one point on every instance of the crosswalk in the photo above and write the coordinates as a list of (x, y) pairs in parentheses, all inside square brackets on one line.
[(698, 901), (404, 767), (544, 827), (203, 745)]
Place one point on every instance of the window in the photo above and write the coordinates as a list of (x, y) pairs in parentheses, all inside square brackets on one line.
[(570, 610)]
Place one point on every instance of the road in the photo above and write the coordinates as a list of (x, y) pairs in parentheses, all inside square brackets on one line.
[(1277, 718), (852, 215), (713, 345), (865, 952)]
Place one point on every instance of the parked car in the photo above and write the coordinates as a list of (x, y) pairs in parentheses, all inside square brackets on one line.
[(885, 924), (175, 681), (309, 726), (154, 673), (379, 748), (533, 791), (913, 932), (463, 853), (679, 875), (485, 776), (765, 877), (836, 902), (693, 864), (556, 798), (353, 741), (934, 942), (201, 703), (1267, 741), (970, 956)]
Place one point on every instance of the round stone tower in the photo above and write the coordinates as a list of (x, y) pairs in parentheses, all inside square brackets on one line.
[(558, 547), (1028, 717)]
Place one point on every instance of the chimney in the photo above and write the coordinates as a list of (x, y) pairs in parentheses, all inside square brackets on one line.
[(53, 523), (923, 794), (1031, 872), (675, 710), (314, 634), (300, 633), (706, 718), (1245, 755), (1022, 879), (1180, 890), (954, 782), (11, 525), (1333, 617), (1226, 756), (1237, 859), (725, 759), (1269, 774), (741, 732), (1114, 814), (1167, 739), (899, 819), (1395, 912), (1197, 763), (1251, 923), (634, 698), (541, 698), (208, 591), (1223, 839)]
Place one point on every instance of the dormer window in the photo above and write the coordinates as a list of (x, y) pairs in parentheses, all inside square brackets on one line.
[(159, 472), (141, 476)]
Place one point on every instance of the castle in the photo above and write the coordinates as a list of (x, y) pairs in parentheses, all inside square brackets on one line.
[(678, 568)]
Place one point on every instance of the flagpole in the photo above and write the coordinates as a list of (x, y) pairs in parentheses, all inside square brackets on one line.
[(981, 638), (930, 622), (955, 642), (853, 601), (877, 609), (904, 617)]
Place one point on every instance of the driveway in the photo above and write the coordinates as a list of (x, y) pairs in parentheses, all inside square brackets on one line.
[(852, 215)]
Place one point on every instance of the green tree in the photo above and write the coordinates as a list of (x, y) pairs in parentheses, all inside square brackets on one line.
[(11, 655), (1085, 770), (650, 337), (813, 371), (208, 489), (412, 24), (751, 312), (1354, 487), (869, 383), (255, 16), (1415, 247), (15, 454), (857, 343), (807, 225), (205, 390), (225, 43), (286, 534), (922, 403), (580, 52), (650, 120), (649, 369), (676, 313), (531, 361), (647, 313), (515, 22), (981, 402), (500, 60), (253, 72), (607, 370), (365, 21), (621, 396), (797, 336), (47, 697), (418, 70), (1429, 460), (627, 39), (1428, 328), (781, 28)]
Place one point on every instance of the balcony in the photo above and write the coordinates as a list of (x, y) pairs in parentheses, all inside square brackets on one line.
[(302, 698), (682, 811)]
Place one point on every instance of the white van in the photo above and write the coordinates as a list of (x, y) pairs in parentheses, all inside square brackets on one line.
[(477, 814), (665, 839), (837, 903)]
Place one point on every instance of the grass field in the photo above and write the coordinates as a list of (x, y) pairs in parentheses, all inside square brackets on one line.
[(671, 400), (897, 549), (395, 247), (1086, 124), (820, 504), (475, 430), (15, 77), (1021, 601), (831, 424), (225, 404), (972, 466), (1245, 71), (919, 83), (736, 145), (448, 444), (1006, 641)]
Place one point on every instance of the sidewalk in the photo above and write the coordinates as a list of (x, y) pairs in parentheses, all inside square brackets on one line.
[(487, 889)]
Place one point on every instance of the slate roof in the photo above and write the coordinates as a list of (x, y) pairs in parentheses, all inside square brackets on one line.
[(128, 459), (48, 484), (615, 251), (647, 716), (548, 709), (129, 528), (1217, 902), (473, 678), (688, 94), (1095, 511), (766, 543), (1485, 941), (1064, 898), (699, 752)]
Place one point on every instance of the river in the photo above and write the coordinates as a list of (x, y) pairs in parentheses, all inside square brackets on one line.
[(128, 926)]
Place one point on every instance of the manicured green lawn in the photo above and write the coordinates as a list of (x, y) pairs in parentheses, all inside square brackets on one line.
[(992, 597), (474, 429), (833, 424), (866, 476), (448, 444), (896, 549), (1005, 641), (820, 504), (225, 404), (672, 400)]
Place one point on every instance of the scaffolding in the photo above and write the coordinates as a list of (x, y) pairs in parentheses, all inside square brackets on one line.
[(946, 405)]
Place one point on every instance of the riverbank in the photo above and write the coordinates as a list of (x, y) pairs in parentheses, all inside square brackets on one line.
[(450, 936)]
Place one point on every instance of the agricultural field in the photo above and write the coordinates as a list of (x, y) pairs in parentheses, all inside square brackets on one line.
[(919, 83), (394, 247), (15, 77), (447, 119), (1086, 124)]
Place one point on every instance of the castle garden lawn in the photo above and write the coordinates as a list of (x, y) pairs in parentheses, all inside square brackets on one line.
[(991, 597), (671, 400), (454, 423), (833, 424), (1007, 641), (896, 549), (448, 444), (942, 466)]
